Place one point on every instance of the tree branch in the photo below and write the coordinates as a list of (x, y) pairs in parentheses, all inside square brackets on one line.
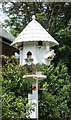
[(51, 13), (61, 6)]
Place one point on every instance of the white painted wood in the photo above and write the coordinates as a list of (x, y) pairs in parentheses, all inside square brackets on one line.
[(34, 32), (33, 98), (29, 37), (37, 99), (38, 54), (39, 77)]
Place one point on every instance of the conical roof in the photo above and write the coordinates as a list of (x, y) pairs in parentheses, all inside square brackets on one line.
[(34, 32)]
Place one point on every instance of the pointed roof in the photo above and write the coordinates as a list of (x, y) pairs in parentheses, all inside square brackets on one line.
[(6, 35), (34, 32)]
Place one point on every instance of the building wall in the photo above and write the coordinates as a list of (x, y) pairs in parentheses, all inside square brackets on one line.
[(8, 50)]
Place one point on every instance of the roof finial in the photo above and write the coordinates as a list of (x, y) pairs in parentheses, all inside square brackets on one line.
[(33, 17)]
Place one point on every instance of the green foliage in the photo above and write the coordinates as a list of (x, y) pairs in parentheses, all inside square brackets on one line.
[(13, 77), (13, 107), (55, 96), (14, 90), (54, 99)]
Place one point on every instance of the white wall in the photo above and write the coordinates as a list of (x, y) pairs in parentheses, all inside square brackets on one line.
[(38, 54)]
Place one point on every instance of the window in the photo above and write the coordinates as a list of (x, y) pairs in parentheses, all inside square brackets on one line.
[(40, 43), (29, 54)]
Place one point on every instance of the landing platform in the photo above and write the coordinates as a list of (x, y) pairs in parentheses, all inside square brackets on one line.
[(37, 76)]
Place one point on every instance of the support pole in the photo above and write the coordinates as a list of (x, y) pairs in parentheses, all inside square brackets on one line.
[(37, 98), (35, 93), (33, 98)]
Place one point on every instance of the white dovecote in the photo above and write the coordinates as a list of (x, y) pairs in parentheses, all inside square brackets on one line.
[(34, 43)]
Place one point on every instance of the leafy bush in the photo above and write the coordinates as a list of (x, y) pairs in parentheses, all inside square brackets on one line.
[(54, 98), (14, 90)]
